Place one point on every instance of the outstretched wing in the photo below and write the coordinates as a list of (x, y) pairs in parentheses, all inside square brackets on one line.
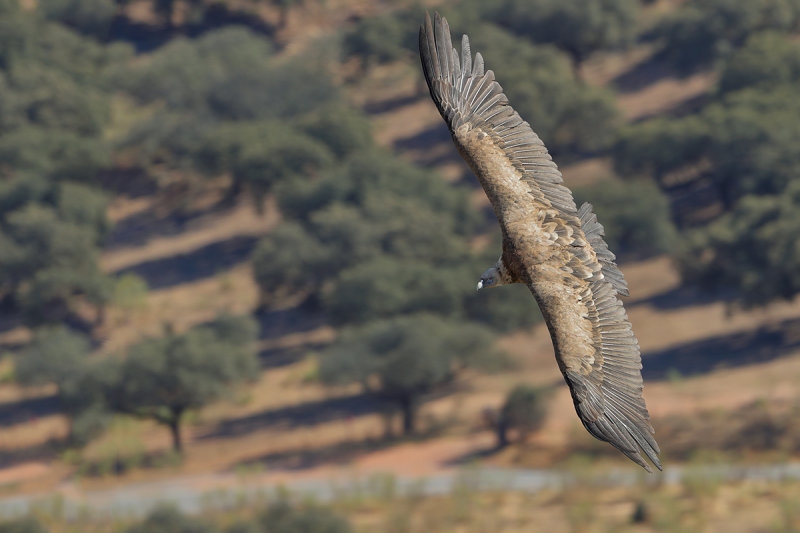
[(555, 248)]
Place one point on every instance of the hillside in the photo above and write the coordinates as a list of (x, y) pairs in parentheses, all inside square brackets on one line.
[(705, 359)]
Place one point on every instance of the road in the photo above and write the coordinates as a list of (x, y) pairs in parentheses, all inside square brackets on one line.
[(193, 493)]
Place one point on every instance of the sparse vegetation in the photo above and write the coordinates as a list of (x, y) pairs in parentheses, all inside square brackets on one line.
[(163, 378), (169, 520), (164, 115), (23, 525), (405, 358), (690, 505), (524, 411)]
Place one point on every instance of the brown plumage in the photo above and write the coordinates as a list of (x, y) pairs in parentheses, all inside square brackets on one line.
[(556, 249)]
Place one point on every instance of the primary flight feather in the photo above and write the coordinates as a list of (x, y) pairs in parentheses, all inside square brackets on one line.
[(549, 244)]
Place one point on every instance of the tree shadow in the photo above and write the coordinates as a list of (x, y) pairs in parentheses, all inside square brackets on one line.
[(28, 409), (643, 74), (137, 229), (142, 36), (146, 37), (391, 104), (340, 453), (10, 317), (198, 264), (278, 322), (219, 14), (694, 202), (134, 182), (36, 452), (650, 72), (685, 296), (759, 345), (474, 456), (302, 415), (437, 134), (299, 319)]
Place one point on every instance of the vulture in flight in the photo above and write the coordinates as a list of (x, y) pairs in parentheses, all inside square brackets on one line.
[(549, 244)]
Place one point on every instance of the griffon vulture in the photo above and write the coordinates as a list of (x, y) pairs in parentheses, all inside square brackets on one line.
[(549, 244)]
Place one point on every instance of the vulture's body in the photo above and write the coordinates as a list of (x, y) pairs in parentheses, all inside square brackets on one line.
[(554, 248)]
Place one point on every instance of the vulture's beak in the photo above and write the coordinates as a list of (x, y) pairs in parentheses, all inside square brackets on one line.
[(480, 285)]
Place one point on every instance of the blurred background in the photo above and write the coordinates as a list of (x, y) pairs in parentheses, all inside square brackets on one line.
[(238, 253)]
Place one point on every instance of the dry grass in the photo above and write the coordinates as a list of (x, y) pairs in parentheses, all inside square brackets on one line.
[(699, 504), (334, 440), (664, 96), (243, 220), (320, 446), (710, 507)]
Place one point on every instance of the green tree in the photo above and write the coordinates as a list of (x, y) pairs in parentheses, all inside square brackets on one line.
[(231, 108), (186, 73), (741, 145), (372, 173), (29, 524), (289, 261), (60, 356), (767, 60), (174, 139), (752, 249), (55, 355), (524, 410), (579, 28), (660, 146), (129, 292), (235, 330), (385, 287), (166, 519), (262, 154), (343, 129), (92, 17), (86, 399), (569, 115), (55, 102), (282, 90), (48, 262), (84, 206), (230, 74), (21, 190), (383, 38), (164, 377), (751, 146), (55, 153), (369, 207), (635, 214), (402, 359), (700, 32), (282, 517)]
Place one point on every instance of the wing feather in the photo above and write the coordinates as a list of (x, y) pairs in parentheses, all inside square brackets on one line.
[(566, 262), (483, 104)]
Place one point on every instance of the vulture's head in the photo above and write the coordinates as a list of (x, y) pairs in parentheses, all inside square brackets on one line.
[(490, 278)]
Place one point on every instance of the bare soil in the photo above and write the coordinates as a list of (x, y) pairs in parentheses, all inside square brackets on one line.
[(697, 355)]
